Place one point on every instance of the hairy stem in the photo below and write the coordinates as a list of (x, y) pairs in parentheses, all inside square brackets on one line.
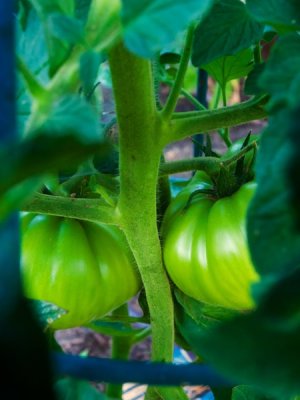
[(140, 130), (120, 350), (192, 122), (69, 207), (184, 62)]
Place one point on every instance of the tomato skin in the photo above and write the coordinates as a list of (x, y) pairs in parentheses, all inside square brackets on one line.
[(82, 267), (204, 245)]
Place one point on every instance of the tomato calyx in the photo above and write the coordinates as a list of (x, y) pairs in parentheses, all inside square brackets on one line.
[(234, 174), (209, 194)]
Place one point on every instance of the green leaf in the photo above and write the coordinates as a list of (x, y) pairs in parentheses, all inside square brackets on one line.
[(44, 154), (114, 328), (65, 28), (13, 199), (68, 114), (261, 348), (227, 29), (271, 229), (227, 68), (45, 7), (31, 46), (245, 392), (73, 389), (82, 9), (46, 312), (151, 25), (252, 86), (294, 164), (89, 67), (105, 16), (205, 315), (282, 73), (284, 15)]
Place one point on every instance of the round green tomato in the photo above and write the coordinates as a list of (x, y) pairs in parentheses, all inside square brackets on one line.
[(205, 247), (83, 267)]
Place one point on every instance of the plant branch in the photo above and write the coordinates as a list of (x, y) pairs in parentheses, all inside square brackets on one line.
[(184, 62), (205, 121), (187, 95), (69, 207), (140, 133), (211, 165), (207, 164)]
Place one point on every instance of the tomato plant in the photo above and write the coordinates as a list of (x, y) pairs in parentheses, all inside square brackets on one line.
[(205, 247), (69, 56), (63, 258)]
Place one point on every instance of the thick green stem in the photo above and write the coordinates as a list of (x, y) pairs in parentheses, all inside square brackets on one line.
[(69, 207), (184, 62), (140, 129), (192, 122), (120, 350)]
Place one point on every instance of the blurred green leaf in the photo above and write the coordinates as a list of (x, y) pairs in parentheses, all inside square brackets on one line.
[(151, 25), (13, 199), (271, 229), (89, 67), (204, 315), (44, 154), (227, 29), (73, 389), (245, 392), (46, 312), (67, 114), (260, 348), (281, 75), (284, 15), (65, 28), (114, 328), (227, 68), (252, 86)]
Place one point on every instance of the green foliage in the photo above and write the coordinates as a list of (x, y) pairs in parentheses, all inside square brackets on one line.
[(74, 389), (227, 68), (227, 29), (267, 348), (281, 14), (46, 312), (60, 47), (150, 25), (281, 77), (244, 392), (272, 233)]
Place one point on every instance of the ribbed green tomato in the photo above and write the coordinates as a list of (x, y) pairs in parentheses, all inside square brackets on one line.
[(205, 248), (82, 267)]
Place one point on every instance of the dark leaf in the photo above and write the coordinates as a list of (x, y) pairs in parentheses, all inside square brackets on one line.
[(252, 86), (211, 41), (272, 235), (151, 25), (284, 15), (74, 389), (281, 76)]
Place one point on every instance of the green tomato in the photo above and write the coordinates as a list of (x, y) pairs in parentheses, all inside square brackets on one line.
[(205, 247), (82, 267)]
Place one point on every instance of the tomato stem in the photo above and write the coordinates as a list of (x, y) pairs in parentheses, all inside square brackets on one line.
[(188, 123), (120, 350), (184, 62), (84, 209), (140, 128)]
